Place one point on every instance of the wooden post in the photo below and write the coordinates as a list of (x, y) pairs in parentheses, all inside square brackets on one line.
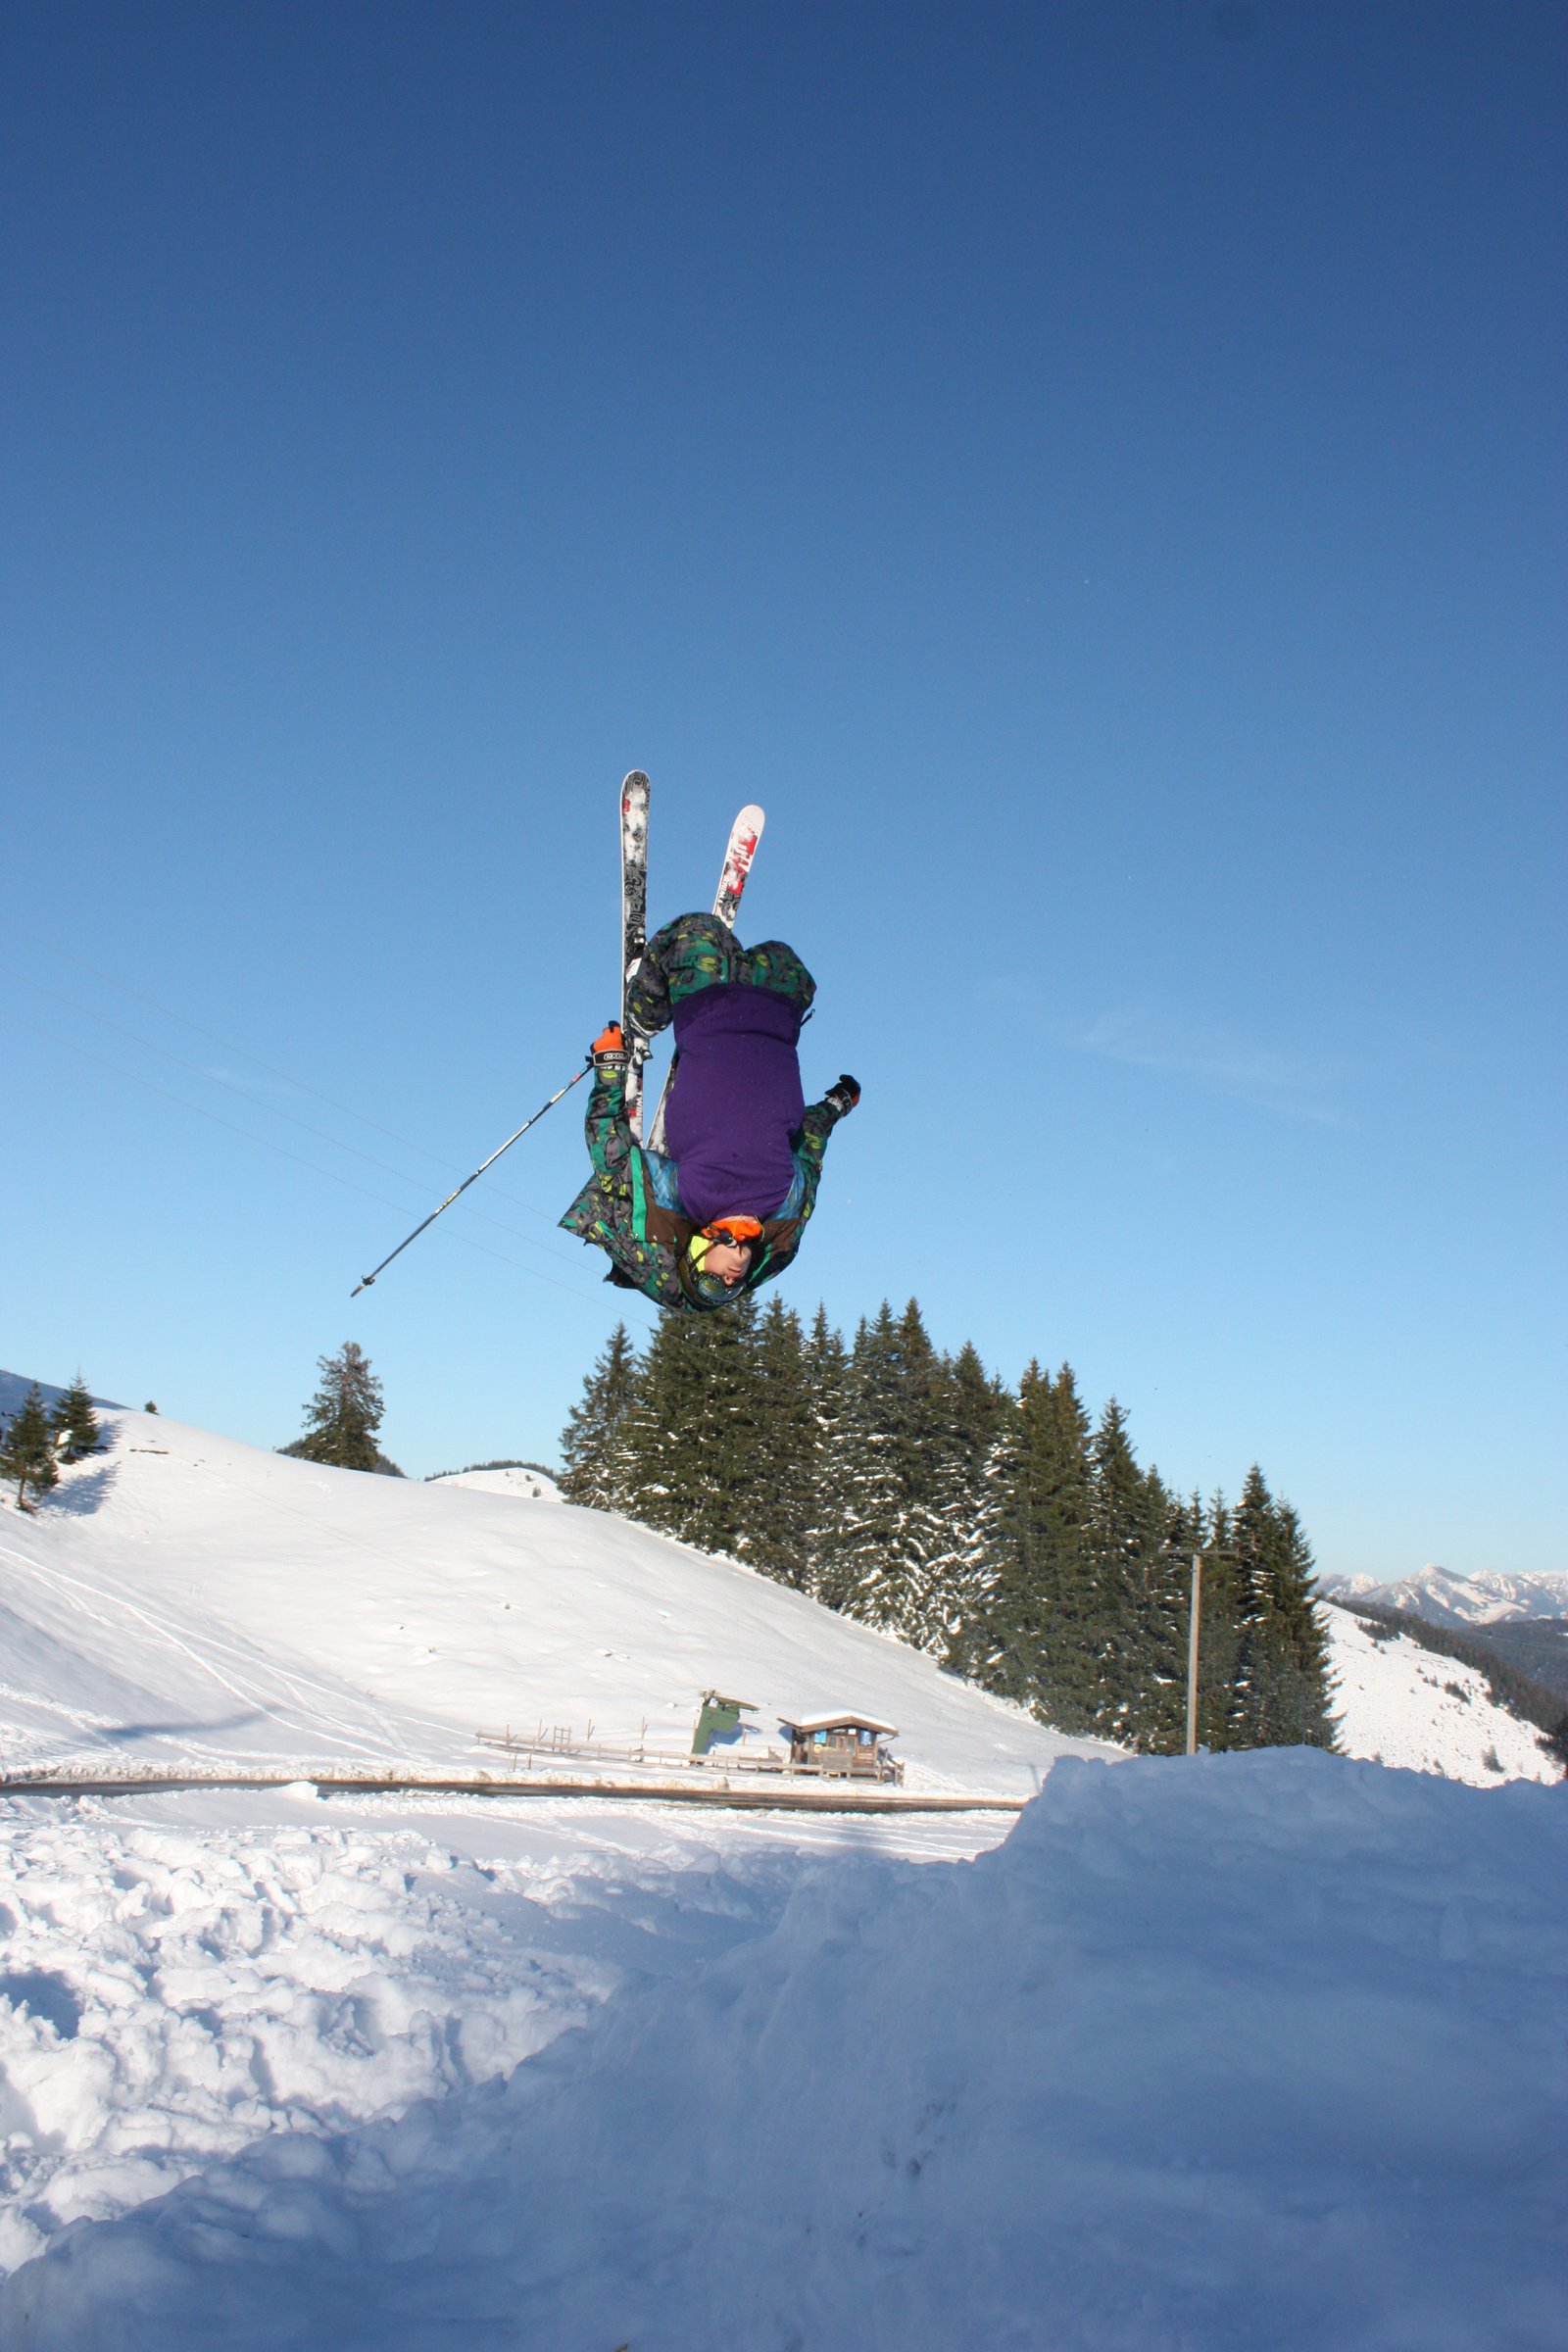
[(1192, 1657)]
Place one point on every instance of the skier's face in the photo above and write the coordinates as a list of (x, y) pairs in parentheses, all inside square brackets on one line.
[(728, 1260)]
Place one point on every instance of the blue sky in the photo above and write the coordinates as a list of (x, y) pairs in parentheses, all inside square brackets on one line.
[(1093, 473)]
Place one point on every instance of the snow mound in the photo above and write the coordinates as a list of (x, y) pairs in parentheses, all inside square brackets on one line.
[(1241, 2050), (517, 1478), (1399, 1705)]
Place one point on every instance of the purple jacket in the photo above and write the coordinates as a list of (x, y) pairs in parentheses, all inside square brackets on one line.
[(736, 1101)]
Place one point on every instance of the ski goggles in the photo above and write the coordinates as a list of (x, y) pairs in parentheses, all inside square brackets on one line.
[(742, 1231)]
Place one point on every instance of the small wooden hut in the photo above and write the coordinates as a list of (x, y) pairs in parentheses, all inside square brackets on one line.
[(844, 1746)]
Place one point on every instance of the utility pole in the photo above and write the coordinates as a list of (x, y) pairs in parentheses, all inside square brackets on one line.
[(1192, 1655)]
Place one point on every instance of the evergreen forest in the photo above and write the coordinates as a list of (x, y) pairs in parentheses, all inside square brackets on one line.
[(1006, 1530)]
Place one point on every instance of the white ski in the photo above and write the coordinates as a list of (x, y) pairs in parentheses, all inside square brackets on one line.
[(633, 928)]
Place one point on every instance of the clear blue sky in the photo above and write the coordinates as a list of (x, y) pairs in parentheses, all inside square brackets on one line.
[(1094, 473)]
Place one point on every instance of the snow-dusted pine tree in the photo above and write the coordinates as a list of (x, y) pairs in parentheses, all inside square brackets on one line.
[(344, 1415), (778, 1493), (1280, 1693), (969, 1408), (1130, 1515), (1047, 1635), (75, 1423), (832, 1470), (591, 1443), (889, 1535), (28, 1449), (694, 1425)]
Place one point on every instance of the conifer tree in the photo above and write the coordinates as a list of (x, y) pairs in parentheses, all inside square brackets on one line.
[(832, 1462), (1299, 1641), (1223, 1647), (1281, 1695), (1128, 1521), (1251, 1545), (344, 1414), (28, 1449), (889, 1536), (1047, 1629), (779, 1492), (986, 1549), (75, 1422), (969, 1408), (592, 1445), (695, 1426)]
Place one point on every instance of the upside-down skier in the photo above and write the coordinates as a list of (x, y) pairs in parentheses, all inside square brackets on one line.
[(723, 1208)]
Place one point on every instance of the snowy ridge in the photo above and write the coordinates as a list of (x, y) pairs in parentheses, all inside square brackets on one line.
[(184, 1597), (529, 1486), (1396, 1703), (1457, 1602)]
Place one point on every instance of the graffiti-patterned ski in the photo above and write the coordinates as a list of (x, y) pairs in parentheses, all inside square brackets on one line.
[(633, 927)]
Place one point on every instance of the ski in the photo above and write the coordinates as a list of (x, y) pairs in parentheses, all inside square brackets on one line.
[(743, 835), (633, 929)]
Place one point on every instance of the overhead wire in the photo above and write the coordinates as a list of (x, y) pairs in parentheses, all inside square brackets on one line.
[(286, 1076), (271, 1109), (331, 1174)]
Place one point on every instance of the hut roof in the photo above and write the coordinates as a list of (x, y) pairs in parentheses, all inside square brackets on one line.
[(844, 1720)]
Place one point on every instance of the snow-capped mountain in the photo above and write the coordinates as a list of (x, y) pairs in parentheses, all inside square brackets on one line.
[(1442, 1598)]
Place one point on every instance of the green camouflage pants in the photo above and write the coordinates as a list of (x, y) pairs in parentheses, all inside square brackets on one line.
[(698, 950)]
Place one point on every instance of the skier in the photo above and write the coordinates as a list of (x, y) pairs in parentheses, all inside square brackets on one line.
[(723, 1209)]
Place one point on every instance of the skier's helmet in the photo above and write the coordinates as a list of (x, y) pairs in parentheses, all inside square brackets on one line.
[(709, 1290)]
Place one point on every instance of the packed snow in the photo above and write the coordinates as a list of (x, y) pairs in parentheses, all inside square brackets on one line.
[(1397, 1704), (167, 1996), (1243, 2051), (1195, 2044)]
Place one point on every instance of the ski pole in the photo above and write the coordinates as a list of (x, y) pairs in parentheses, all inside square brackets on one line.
[(474, 1177)]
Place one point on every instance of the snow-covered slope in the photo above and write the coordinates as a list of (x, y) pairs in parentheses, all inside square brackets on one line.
[(517, 1478), (186, 1597), (1399, 1705), (1202, 2042), (1247, 2052), (1443, 1598)]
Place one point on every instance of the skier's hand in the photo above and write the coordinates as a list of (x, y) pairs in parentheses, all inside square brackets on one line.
[(609, 1049), (845, 1095)]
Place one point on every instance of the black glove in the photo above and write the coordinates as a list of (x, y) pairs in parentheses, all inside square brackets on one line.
[(609, 1050), (845, 1095)]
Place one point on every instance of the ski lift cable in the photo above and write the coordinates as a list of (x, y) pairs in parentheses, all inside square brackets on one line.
[(283, 1151), (288, 1078), (273, 1111)]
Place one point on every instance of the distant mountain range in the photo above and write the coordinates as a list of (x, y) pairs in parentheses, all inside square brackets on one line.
[(1460, 1602)]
